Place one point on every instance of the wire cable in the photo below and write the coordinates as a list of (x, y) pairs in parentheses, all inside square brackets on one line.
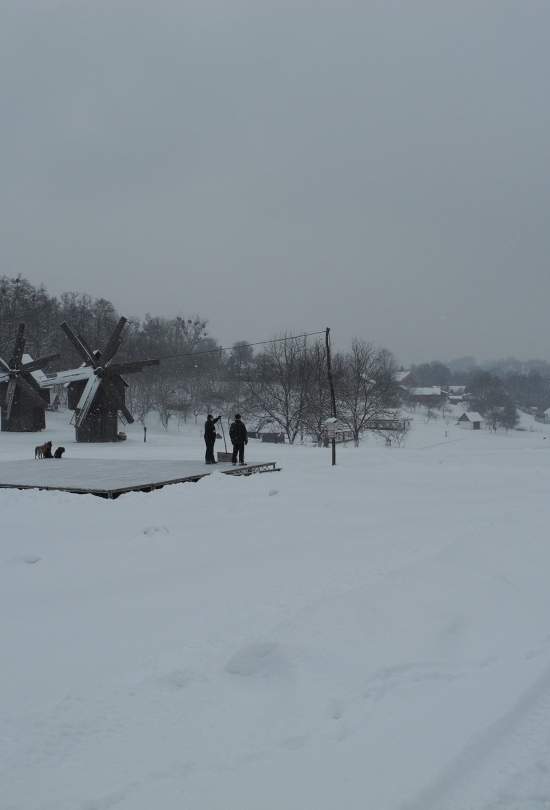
[(219, 349)]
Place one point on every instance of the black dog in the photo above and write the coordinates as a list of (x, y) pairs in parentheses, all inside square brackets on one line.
[(59, 452)]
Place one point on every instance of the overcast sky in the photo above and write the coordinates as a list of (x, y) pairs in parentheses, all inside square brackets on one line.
[(379, 167)]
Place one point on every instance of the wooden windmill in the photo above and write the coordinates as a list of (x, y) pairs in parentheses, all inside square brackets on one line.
[(22, 399), (97, 389)]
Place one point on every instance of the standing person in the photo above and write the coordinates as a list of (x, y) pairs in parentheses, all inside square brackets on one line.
[(210, 438), (239, 437)]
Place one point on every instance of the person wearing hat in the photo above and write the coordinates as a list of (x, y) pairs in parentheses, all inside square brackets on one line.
[(239, 437), (210, 438)]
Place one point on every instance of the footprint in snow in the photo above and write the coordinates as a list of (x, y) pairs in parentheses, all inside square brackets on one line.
[(180, 679), (335, 709), (261, 659), (149, 531), (294, 743), (541, 649), (25, 559), (109, 800), (405, 675)]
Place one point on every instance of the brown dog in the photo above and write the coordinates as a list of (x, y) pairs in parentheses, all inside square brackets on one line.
[(43, 450)]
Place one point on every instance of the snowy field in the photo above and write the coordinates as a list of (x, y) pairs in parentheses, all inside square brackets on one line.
[(373, 636)]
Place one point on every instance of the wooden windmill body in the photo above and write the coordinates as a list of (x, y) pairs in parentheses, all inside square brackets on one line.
[(96, 389), (22, 399)]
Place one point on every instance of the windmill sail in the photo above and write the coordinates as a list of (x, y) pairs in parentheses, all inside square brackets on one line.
[(96, 389), (87, 399), (23, 406)]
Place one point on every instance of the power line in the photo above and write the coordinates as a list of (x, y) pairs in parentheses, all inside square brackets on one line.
[(241, 346), (220, 349)]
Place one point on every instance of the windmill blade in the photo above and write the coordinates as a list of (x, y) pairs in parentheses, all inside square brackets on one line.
[(31, 391), (86, 400), (10, 396), (19, 347), (40, 363), (136, 365), (85, 344), (83, 351), (126, 413), (4, 372), (69, 376), (114, 341)]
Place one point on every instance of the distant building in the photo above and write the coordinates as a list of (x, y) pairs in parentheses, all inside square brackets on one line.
[(431, 396), (267, 431), (471, 420), (543, 416), (456, 394), (405, 379)]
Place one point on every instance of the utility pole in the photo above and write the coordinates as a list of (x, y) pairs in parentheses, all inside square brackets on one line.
[(331, 386)]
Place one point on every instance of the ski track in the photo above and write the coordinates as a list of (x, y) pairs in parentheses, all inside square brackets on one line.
[(495, 769)]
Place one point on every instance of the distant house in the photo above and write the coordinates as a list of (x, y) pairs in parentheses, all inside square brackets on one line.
[(470, 420), (267, 431), (543, 416), (431, 396), (456, 394), (405, 379)]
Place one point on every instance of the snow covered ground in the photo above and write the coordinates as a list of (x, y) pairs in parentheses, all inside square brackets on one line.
[(375, 635)]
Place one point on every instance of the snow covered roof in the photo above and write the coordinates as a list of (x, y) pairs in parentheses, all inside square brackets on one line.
[(547, 412), (472, 416), (457, 389), (401, 375), (431, 391)]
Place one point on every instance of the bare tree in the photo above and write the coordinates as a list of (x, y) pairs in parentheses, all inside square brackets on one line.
[(140, 395), (279, 386), (318, 400), (163, 398), (365, 387)]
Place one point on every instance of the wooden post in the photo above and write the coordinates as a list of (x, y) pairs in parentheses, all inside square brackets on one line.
[(144, 433), (331, 386)]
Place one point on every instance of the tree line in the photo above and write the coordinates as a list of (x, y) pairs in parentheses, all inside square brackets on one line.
[(284, 385)]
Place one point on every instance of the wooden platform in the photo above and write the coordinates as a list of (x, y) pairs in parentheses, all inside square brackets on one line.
[(109, 478)]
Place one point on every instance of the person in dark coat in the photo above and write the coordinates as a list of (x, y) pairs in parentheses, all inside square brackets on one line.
[(210, 438), (239, 437)]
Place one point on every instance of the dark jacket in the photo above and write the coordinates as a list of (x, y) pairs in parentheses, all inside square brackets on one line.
[(210, 429), (238, 433)]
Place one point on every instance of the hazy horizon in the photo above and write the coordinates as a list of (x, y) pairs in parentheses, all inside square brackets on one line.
[(379, 167)]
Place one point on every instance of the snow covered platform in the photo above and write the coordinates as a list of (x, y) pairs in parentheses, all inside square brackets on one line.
[(109, 478)]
